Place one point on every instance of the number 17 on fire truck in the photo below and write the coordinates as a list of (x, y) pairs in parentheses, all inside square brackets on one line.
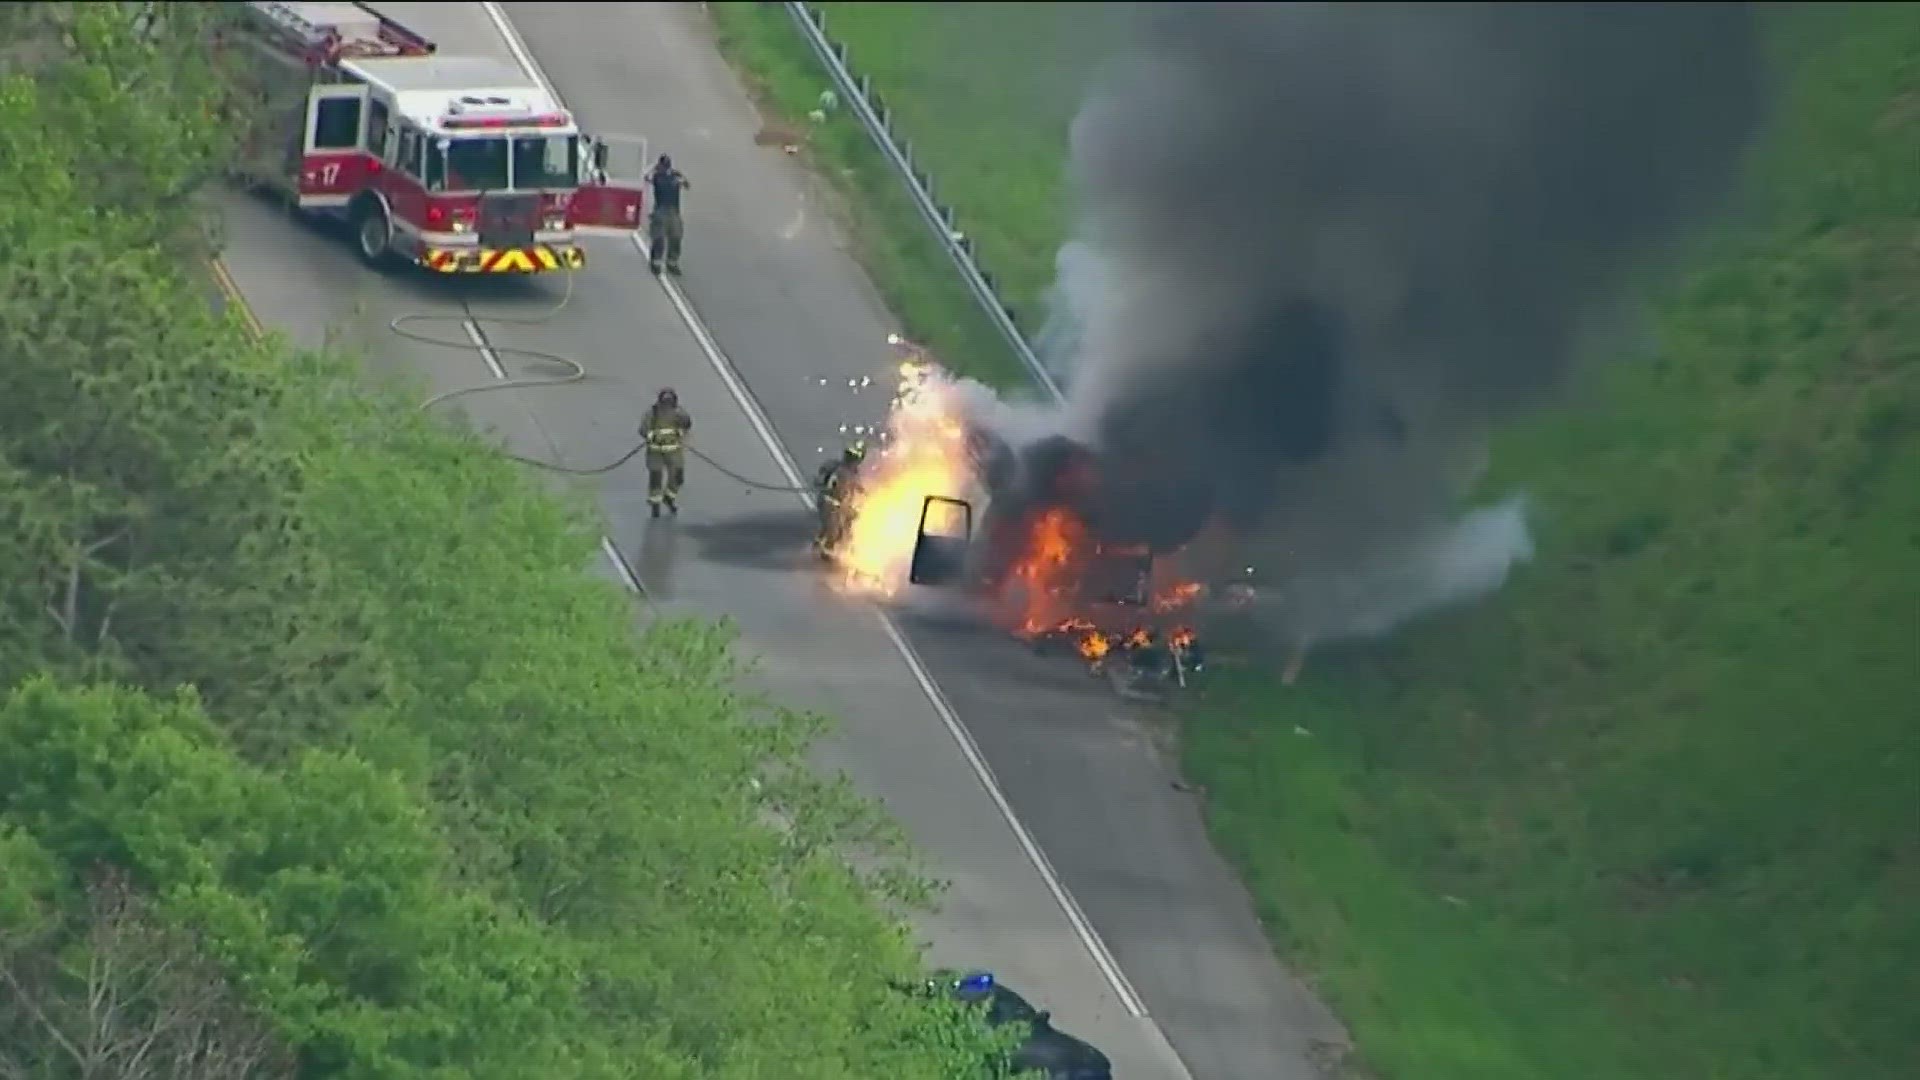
[(460, 164)]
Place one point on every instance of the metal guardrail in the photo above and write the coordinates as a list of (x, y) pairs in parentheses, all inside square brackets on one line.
[(873, 114)]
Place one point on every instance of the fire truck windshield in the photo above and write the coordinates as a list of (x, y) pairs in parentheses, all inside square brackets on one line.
[(546, 161), (504, 163)]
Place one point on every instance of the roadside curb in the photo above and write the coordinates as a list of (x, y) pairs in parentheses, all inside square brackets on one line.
[(231, 288)]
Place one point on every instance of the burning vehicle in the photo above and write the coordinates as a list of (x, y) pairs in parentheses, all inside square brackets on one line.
[(944, 501), (1311, 362), (1044, 568)]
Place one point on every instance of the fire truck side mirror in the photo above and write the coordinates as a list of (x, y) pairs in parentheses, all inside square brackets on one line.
[(600, 150), (940, 547)]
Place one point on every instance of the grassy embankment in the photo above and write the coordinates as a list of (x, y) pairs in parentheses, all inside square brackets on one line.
[(976, 156), (1652, 813)]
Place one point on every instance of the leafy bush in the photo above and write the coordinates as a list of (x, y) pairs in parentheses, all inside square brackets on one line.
[(427, 808)]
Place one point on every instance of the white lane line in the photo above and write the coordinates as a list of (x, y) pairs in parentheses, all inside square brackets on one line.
[(969, 748), (481, 346), (1083, 928), (620, 567), (485, 350)]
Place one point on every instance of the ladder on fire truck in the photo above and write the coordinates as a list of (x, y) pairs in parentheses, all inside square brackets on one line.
[(290, 48), (324, 32)]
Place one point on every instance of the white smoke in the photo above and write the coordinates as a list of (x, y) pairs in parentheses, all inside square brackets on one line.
[(1079, 286), (1445, 567)]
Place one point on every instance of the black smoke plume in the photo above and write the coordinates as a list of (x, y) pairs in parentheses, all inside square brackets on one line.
[(1323, 248)]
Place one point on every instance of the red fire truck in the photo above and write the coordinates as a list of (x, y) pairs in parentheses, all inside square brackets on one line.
[(460, 164)]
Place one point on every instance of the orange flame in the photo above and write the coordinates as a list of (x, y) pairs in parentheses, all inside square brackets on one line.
[(1045, 574), (1177, 597), (922, 452), (1094, 646)]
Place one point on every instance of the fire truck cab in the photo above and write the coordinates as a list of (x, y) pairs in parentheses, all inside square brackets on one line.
[(460, 164)]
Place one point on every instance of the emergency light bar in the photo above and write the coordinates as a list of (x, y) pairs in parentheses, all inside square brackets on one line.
[(544, 120)]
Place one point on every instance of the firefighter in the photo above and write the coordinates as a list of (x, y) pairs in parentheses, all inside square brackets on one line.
[(664, 229), (834, 483), (666, 429)]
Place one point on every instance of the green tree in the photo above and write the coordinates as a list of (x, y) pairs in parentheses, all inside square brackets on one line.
[(428, 807), (612, 791), (150, 523), (143, 108), (106, 990), (319, 887)]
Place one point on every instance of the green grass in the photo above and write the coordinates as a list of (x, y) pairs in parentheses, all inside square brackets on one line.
[(1654, 812), (910, 266)]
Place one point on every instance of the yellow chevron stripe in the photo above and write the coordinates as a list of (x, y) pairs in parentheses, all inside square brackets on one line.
[(512, 261), (529, 260)]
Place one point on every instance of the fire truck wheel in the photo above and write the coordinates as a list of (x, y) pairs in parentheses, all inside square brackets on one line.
[(373, 231)]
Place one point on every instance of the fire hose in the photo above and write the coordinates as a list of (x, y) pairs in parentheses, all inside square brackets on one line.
[(573, 371), (1179, 663)]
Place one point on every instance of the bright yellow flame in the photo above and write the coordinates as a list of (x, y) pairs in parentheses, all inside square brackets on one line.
[(1095, 646), (922, 452)]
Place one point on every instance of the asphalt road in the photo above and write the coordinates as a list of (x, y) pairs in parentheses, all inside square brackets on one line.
[(792, 323)]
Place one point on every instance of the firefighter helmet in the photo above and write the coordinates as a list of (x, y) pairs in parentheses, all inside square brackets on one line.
[(668, 397), (856, 451)]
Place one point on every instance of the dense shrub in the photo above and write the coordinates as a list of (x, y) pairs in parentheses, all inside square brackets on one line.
[(425, 808)]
